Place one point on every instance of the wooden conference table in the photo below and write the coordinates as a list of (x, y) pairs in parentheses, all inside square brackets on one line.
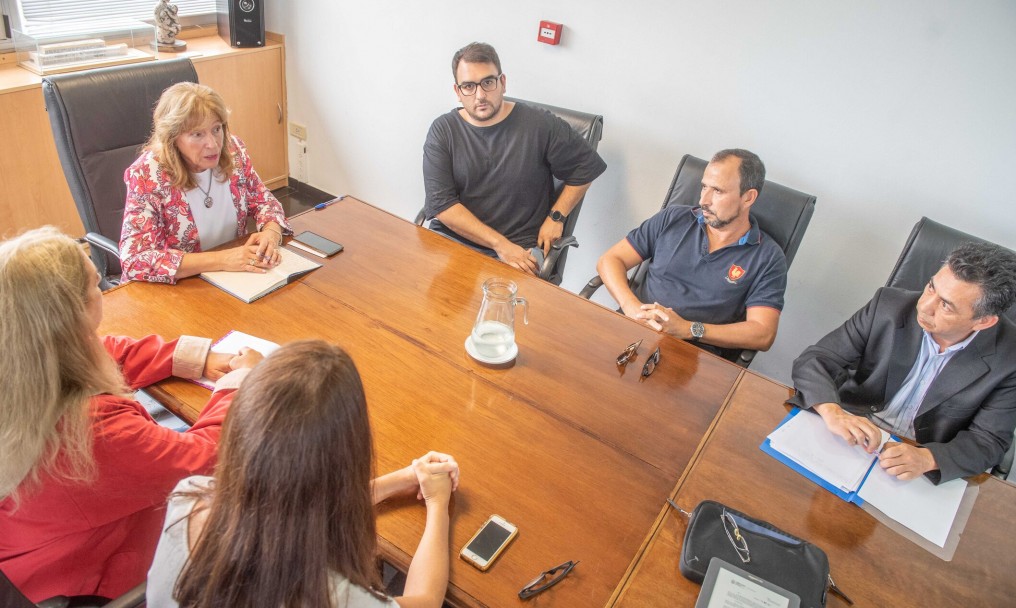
[(576, 454), (579, 456)]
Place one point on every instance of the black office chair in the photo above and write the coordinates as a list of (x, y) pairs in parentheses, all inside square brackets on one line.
[(927, 247), (781, 212), (590, 127), (11, 597), (100, 120)]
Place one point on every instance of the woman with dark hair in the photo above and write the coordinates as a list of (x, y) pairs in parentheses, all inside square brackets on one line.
[(84, 470), (288, 519)]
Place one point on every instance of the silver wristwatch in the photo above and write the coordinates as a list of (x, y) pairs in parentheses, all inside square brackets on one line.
[(697, 331)]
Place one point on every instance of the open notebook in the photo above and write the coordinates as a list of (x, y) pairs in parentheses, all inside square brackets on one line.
[(803, 443), (249, 286)]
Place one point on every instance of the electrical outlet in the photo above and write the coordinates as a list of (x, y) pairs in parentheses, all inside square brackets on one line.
[(298, 131)]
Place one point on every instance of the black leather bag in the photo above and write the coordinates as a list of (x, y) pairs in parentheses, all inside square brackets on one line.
[(715, 530)]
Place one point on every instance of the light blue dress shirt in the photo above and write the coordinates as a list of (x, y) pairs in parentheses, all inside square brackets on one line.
[(899, 415)]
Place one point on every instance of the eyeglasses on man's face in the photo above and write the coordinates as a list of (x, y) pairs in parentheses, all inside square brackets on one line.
[(547, 579), (488, 84)]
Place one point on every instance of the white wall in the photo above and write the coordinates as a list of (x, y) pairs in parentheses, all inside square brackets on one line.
[(887, 111)]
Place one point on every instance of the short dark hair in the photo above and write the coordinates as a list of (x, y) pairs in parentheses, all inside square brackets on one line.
[(990, 267), (475, 52), (753, 172)]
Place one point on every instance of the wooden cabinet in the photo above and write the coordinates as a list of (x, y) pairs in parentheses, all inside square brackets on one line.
[(254, 88), (33, 190)]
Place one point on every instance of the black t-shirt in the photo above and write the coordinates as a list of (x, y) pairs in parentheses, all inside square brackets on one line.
[(504, 174)]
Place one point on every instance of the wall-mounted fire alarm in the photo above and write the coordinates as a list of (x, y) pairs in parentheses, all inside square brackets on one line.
[(550, 32)]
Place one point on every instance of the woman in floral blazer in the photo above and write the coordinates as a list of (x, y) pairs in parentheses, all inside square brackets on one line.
[(192, 189)]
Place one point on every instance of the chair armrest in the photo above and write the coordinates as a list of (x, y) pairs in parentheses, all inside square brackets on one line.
[(99, 245), (550, 261), (746, 357), (134, 597), (106, 244), (591, 287), (421, 217)]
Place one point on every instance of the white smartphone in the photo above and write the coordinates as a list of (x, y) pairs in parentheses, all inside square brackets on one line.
[(488, 543)]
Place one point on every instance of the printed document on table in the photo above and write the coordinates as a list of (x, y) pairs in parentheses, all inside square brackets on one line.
[(806, 440), (918, 504), (231, 344)]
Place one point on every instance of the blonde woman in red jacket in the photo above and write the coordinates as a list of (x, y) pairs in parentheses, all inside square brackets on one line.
[(84, 470)]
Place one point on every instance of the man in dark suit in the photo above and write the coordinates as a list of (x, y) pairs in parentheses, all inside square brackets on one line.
[(937, 367)]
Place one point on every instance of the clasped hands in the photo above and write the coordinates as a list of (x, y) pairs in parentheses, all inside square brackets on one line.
[(218, 365), (901, 460), (258, 254), (660, 318)]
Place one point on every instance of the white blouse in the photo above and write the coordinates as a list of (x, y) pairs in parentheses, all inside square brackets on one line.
[(216, 224)]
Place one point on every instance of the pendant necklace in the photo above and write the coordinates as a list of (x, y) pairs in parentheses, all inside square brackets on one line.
[(207, 193)]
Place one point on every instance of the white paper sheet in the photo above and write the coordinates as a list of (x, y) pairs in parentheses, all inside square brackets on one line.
[(806, 440), (232, 343), (918, 504)]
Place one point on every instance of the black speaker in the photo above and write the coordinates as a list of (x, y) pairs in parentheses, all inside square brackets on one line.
[(241, 22)]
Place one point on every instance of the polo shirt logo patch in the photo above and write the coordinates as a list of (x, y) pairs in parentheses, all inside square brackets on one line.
[(734, 274)]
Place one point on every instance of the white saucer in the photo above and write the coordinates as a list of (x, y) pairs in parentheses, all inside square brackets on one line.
[(505, 358)]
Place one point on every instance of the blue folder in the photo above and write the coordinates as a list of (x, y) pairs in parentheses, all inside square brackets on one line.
[(847, 496)]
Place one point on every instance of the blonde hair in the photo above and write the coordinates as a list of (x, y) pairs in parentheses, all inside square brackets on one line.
[(52, 362), (182, 107)]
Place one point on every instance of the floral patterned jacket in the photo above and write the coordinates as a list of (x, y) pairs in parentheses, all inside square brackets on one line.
[(158, 227)]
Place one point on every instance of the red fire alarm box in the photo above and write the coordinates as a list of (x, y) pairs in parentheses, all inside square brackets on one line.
[(550, 32)]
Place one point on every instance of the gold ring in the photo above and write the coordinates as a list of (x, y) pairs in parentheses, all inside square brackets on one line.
[(252, 262)]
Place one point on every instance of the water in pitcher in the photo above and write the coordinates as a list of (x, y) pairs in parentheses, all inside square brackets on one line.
[(492, 339)]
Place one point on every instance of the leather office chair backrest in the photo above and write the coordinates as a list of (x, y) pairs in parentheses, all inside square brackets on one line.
[(927, 247), (100, 120), (11, 597), (590, 127), (781, 212)]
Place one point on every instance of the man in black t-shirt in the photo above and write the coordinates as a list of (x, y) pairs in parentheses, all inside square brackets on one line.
[(489, 166)]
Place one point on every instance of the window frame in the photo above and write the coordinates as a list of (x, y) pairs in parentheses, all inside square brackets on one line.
[(12, 13)]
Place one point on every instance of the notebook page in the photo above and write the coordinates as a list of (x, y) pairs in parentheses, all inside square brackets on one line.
[(806, 440)]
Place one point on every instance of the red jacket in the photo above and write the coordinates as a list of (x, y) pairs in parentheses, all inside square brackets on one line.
[(99, 538)]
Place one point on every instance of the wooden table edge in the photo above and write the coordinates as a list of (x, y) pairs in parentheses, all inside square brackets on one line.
[(657, 525)]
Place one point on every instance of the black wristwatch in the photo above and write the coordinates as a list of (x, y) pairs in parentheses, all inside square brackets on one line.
[(557, 216), (697, 331)]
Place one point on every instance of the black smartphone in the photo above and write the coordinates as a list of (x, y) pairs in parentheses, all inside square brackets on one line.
[(315, 244)]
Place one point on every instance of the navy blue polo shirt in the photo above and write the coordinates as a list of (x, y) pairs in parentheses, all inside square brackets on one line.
[(715, 287)]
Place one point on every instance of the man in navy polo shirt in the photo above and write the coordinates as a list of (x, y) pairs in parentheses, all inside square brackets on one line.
[(714, 278)]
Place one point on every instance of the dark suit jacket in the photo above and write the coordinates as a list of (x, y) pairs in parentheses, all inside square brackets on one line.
[(967, 416)]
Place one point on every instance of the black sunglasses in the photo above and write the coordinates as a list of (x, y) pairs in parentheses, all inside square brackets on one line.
[(547, 579), (651, 363)]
